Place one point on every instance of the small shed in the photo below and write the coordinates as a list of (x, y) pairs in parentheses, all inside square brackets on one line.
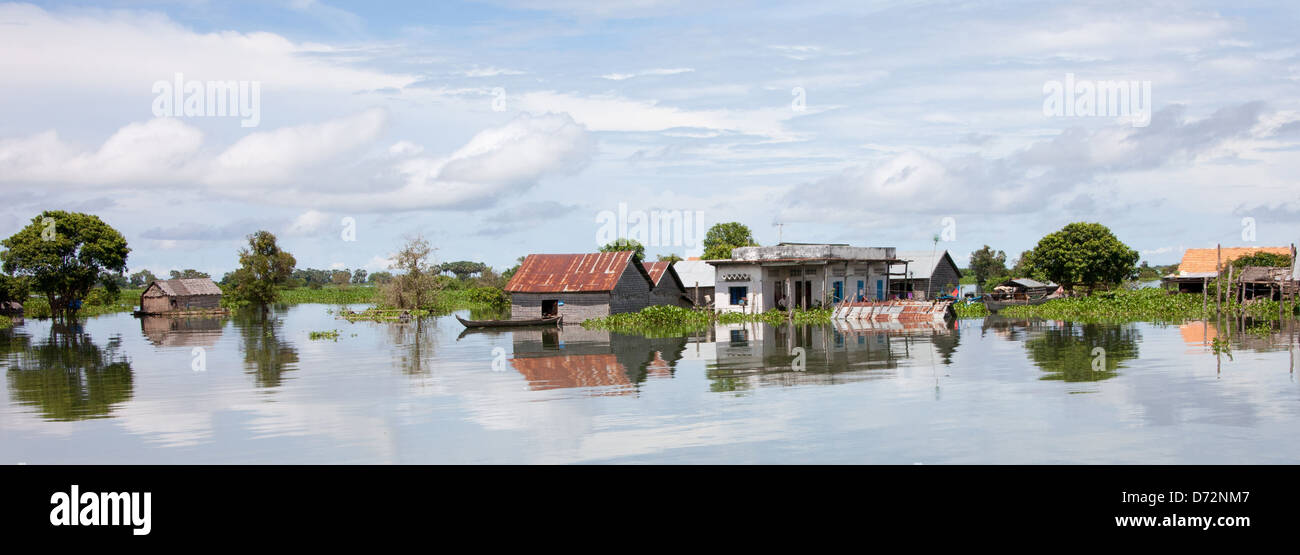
[(578, 286), (668, 287), (925, 275), (1021, 288), (697, 280), (1270, 282), (11, 308), (165, 296)]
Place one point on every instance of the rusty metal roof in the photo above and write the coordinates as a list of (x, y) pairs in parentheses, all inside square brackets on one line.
[(657, 270), (571, 273)]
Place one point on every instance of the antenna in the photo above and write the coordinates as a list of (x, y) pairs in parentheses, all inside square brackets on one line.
[(780, 226)]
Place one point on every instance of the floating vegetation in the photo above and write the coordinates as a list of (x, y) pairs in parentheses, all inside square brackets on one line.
[(332, 335), (1221, 346), (667, 320), (6, 323), (1148, 305), (375, 314), (970, 310)]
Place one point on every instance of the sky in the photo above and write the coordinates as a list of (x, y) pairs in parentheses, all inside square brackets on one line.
[(500, 128)]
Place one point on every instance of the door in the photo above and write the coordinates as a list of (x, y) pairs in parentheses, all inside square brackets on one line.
[(550, 307), (807, 294), (880, 289)]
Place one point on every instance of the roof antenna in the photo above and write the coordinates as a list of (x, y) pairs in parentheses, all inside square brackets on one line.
[(779, 228)]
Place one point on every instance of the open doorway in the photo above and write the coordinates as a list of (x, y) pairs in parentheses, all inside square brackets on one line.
[(550, 307)]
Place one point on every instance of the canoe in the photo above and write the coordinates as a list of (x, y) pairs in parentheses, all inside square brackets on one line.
[(551, 321), (994, 306)]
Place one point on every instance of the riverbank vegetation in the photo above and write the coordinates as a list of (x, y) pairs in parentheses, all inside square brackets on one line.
[(664, 320), (1149, 304)]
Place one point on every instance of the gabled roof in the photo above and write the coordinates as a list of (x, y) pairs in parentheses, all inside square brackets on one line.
[(572, 273), (185, 287), (695, 271), (1203, 260), (1026, 282), (657, 271), (923, 263)]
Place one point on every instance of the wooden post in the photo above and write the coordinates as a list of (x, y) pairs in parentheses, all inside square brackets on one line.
[(1205, 292), (1218, 280)]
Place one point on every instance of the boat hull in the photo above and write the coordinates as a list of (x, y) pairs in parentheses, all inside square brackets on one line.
[(510, 323)]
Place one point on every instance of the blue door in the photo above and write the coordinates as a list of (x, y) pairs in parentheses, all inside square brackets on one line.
[(880, 289)]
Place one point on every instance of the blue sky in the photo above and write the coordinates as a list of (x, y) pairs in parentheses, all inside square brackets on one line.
[(502, 128)]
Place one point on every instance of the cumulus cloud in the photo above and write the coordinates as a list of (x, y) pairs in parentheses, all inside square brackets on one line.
[(275, 156), (155, 151), (657, 71), (309, 223)]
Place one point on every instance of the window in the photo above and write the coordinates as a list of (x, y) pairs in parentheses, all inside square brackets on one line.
[(837, 289), (738, 294)]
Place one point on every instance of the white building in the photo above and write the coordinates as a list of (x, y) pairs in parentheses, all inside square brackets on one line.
[(757, 279)]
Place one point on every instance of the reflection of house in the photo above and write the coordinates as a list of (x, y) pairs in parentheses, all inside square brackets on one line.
[(800, 275), (925, 274), (180, 295), (612, 363), (668, 287), (1200, 266), (697, 278), (578, 286), (166, 331)]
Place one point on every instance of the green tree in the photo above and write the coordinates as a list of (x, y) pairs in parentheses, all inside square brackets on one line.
[(341, 277), (670, 257), (416, 286), (1086, 254), (188, 273), (986, 263), (1023, 266), (64, 254), (14, 289), (625, 244), (263, 270), (359, 276), (463, 268), (1262, 259), (380, 277), (142, 278), (723, 237), (506, 275)]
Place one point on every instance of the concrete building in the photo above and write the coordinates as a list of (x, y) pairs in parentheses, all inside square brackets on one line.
[(578, 286), (756, 279)]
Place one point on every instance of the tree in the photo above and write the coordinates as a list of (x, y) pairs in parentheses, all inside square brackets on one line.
[(506, 275), (462, 268), (380, 278), (625, 244), (188, 273), (670, 257), (263, 270), (1023, 267), (64, 254), (142, 278), (986, 263), (358, 276), (1082, 253), (1262, 259), (14, 289), (415, 286), (341, 277), (723, 237)]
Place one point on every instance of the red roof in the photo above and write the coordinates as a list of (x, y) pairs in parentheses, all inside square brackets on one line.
[(552, 273), (656, 270)]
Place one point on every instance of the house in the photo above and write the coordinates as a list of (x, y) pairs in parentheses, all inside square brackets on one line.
[(1200, 266), (697, 280), (757, 279), (164, 296), (923, 274), (578, 286), (11, 308), (667, 288)]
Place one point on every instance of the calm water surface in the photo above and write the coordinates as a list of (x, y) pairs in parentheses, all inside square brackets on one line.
[(118, 389)]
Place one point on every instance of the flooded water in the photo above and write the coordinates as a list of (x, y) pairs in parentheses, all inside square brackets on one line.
[(118, 389)]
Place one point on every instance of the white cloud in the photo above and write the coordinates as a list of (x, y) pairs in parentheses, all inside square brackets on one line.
[(155, 151), (309, 223), (661, 71), (273, 156)]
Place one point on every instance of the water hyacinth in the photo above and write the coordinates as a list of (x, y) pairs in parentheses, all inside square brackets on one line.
[(665, 320), (1149, 305)]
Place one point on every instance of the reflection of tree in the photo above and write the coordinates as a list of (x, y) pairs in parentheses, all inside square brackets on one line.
[(946, 344), (67, 377), (265, 355), (417, 342), (1066, 353)]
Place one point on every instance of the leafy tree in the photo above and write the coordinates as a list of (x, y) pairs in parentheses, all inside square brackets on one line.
[(625, 244), (670, 257), (358, 276), (380, 277), (986, 263), (65, 254), (723, 237), (1262, 259), (415, 286), (1023, 267), (463, 268), (142, 278), (341, 277), (263, 270), (188, 273), (506, 275), (14, 289), (1085, 254)]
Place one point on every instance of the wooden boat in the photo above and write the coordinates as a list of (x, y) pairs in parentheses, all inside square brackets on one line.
[(994, 305), (549, 321)]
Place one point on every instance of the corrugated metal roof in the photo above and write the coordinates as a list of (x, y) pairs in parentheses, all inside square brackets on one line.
[(695, 271), (656, 270), (570, 273), (1197, 261), (185, 287), (922, 263), (1026, 282)]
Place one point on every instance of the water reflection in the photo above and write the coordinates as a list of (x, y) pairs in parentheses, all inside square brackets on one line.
[(66, 376), (415, 342), (164, 331), (607, 363), (1069, 352), (266, 356)]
